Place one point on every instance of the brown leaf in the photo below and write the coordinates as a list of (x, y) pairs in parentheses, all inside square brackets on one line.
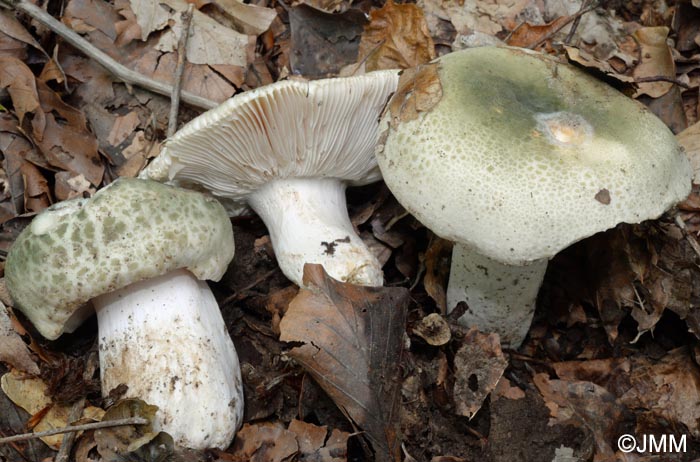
[(20, 83), (585, 405), (352, 339), (396, 37), (529, 35), (11, 28), (670, 388), (13, 350), (322, 43), (315, 445), (37, 196), (264, 442), (433, 329), (689, 139), (419, 90), (437, 271), (656, 61), (479, 364)]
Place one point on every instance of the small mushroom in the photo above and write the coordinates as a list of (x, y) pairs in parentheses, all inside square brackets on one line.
[(288, 150), (136, 252), (518, 157)]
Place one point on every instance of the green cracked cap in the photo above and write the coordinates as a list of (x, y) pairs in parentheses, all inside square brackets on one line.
[(520, 155), (129, 231)]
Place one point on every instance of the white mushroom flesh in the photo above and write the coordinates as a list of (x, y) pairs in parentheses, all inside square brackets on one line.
[(501, 298), (308, 223), (166, 339)]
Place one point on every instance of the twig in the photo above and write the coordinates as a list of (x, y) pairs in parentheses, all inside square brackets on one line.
[(662, 78), (689, 237), (574, 26), (120, 71), (76, 428), (568, 21), (181, 53), (76, 411)]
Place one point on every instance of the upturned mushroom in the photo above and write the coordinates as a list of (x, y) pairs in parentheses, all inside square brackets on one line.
[(288, 150), (514, 156), (136, 252)]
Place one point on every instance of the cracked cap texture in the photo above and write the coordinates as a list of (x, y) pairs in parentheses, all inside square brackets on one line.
[(129, 231), (523, 155)]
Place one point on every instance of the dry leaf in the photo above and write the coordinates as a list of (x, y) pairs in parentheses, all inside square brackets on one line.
[(656, 61), (437, 271), (250, 18), (433, 329), (479, 364), (352, 338), (396, 37), (315, 445), (689, 139), (21, 84), (529, 35), (264, 442), (419, 90), (30, 395), (150, 16), (13, 350)]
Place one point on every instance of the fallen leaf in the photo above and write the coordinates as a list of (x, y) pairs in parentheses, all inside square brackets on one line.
[(11, 27), (315, 445), (689, 139), (656, 61), (437, 271), (530, 35), (433, 329), (264, 442), (479, 365), (21, 84), (114, 443), (352, 338), (30, 395), (37, 196), (150, 16), (251, 19), (13, 421), (322, 43), (419, 90), (396, 37), (13, 350)]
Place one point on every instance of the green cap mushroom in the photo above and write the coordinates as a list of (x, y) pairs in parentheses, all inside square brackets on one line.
[(137, 251), (514, 155)]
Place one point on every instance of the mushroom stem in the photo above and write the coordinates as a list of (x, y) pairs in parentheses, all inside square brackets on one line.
[(308, 223), (501, 298), (166, 340)]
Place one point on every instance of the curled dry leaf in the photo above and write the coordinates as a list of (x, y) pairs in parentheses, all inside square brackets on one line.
[(689, 139), (31, 395), (479, 364), (437, 271), (315, 445), (656, 61), (264, 442), (351, 343), (530, 36), (13, 350), (396, 37), (433, 329), (419, 90)]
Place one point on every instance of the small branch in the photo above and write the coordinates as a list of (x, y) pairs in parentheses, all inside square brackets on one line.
[(76, 428), (120, 71), (181, 53), (663, 78), (574, 26), (568, 21), (689, 237)]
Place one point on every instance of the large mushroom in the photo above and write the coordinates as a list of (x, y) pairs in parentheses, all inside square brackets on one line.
[(288, 150), (514, 156), (136, 252)]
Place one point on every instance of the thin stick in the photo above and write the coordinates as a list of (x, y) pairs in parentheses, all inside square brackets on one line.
[(574, 26), (76, 428), (662, 78), (120, 71), (569, 20), (181, 53), (689, 237)]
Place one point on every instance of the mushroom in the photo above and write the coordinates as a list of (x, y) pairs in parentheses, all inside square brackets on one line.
[(288, 150), (514, 156), (137, 251)]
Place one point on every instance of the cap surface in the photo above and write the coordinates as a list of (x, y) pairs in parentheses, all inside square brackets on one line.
[(320, 128), (521, 155), (129, 231)]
